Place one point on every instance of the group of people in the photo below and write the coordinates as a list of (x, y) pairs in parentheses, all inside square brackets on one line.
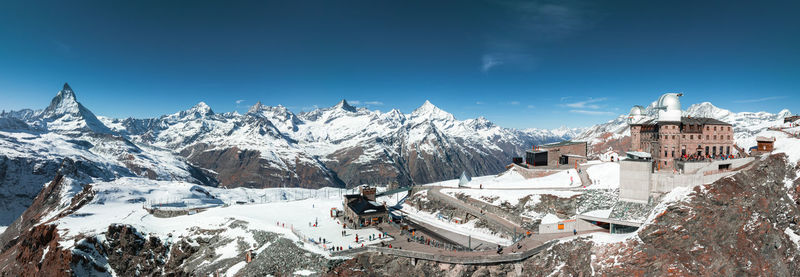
[(698, 157)]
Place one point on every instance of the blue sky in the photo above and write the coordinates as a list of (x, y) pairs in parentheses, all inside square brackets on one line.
[(520, 64)]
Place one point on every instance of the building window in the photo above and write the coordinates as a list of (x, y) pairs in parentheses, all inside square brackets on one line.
[(715, 128), (706, 150), (708, 128), (683, 136), (727, 150), (665, 153), (715, 137), (714, 150), (673, 136), (673, 153), (729, 137), (691, 136), (708, 137)]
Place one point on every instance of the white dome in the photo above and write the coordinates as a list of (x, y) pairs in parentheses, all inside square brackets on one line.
[(670, 102), (637, 111)]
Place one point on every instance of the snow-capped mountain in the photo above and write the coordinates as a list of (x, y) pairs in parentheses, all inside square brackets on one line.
[(608, 135), (34, 145), (335, 146), (271, 146)]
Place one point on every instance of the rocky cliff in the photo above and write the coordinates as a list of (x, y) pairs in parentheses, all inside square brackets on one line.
[(745, 225)]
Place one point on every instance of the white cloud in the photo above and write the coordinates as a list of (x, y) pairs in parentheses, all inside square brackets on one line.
[(531, 106), (354, 102), (479, 103), (587, 104), (514, 103), (374, 103), (759, 99), (586, 112), (490, 61), (239, 101)]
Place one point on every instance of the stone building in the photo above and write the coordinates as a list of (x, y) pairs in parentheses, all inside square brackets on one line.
[(361, 210), (670, 137)]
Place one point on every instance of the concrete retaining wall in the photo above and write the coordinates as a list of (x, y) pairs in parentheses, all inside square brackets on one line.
[(569, 225), (634, 180)]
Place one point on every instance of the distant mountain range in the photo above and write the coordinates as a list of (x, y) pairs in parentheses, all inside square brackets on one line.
[(270, 146)]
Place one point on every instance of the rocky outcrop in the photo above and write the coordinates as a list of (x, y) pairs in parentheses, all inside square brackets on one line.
[(36, 253), (737, 226)]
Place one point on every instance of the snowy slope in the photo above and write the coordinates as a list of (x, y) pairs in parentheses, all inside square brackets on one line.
[(35, 145)]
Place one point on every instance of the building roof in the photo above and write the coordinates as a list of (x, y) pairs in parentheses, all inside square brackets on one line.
[(689, 121), (574, 156), (765, 139), (639, 155), (537, 151), (362, 206), (563, 143), (702, 121)]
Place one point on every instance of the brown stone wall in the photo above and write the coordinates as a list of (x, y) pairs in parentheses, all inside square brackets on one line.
[(636, 138)]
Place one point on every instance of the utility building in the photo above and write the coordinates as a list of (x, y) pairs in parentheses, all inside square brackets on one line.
[(557, 154)]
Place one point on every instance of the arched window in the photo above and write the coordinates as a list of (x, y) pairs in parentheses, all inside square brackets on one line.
[(714, 150), (706, 150)]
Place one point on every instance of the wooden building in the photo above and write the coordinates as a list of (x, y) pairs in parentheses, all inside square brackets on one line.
[(765, 144)]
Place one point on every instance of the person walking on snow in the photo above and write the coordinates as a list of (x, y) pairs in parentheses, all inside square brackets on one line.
[(574, 232)]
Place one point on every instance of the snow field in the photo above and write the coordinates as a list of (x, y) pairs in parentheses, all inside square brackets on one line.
[(512, 179), (604, 176), (121, 201)]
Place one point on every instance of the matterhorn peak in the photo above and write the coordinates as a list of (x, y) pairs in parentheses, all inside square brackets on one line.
[(65, 113), (64, 103), (345, 106)]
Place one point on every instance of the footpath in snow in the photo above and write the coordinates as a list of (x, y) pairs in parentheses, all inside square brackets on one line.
[(513, 179)]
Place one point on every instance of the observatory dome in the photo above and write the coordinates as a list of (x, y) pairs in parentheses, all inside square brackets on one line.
[(636, 115), (669, 107), (637, 111), (669, 102)]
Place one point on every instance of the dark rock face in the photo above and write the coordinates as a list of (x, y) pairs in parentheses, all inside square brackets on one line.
[(36, 253), (245, 168)]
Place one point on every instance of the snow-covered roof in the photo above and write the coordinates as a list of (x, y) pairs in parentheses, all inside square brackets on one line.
[(639, 155), (765, 139)]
